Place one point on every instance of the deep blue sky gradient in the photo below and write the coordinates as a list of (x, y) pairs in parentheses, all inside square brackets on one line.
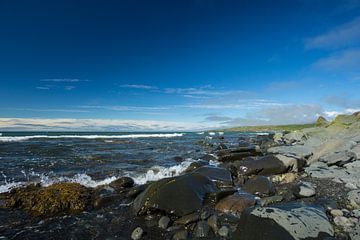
[(119, 59)]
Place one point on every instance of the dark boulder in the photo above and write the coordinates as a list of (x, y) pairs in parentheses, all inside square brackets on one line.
[(196, 165), (221, 176), (259, 185), (266, 166), (180, 195), (178, 159), (121, 183), (230, 155)]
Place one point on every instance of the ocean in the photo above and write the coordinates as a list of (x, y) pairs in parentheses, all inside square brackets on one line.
[(97, 158)]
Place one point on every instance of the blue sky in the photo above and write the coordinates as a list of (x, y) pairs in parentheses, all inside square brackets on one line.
[(176, 65)]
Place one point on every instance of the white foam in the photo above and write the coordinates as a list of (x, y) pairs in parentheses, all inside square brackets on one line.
[(8, 186), (212, 133), (158, 172), (153, 174), (154, 135)]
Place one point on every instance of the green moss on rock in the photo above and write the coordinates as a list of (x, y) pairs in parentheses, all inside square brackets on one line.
[(47, 201)]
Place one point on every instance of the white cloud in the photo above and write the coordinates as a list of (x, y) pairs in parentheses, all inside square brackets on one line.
[(277, 115), (69, 88), (73, 80), (347, 60), (138, 86), (42, 88), (346, 35), (67, 124)]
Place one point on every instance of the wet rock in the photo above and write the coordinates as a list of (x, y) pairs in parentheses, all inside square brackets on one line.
[(180, 195), (259, 185), (208, 158), (270, 200), (231, 155), (223, 231), (287, 221), (187, 219), (221, 146), (267, 165), (235, 204), (164, 222), (151, 221), (196, 165), (338, 158), (304, 189), (135, 191), (181, 235), (58, 198), (178, 159), (121, 183), (205, 214), (202, 229), (354, 198), (221, 176), (104, 200), (220, 194), (137, 233), (213, 222)]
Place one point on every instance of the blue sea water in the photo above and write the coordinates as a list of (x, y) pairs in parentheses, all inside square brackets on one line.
[(96, 158)]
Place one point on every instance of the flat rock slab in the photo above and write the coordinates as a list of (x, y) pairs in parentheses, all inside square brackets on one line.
[(299, 151), (287, 221), (180, 195), (267, 165)]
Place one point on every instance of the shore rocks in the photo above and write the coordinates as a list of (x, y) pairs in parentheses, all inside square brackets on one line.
[(288, 221), (354, 198), (235, 204), (221, 176), (338, 158), (259, 185), (137, 233), (304, 189), (121, 183), (56, 199), (231, 155), (180, 195), (202, 229), (267, 165), (164, 222)]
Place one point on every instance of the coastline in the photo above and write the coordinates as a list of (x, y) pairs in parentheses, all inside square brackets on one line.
[(294, 184)]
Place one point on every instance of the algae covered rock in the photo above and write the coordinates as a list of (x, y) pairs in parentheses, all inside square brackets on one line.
[(48, 201)]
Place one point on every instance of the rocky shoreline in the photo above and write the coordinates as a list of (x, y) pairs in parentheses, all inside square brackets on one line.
[(288, 185)]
